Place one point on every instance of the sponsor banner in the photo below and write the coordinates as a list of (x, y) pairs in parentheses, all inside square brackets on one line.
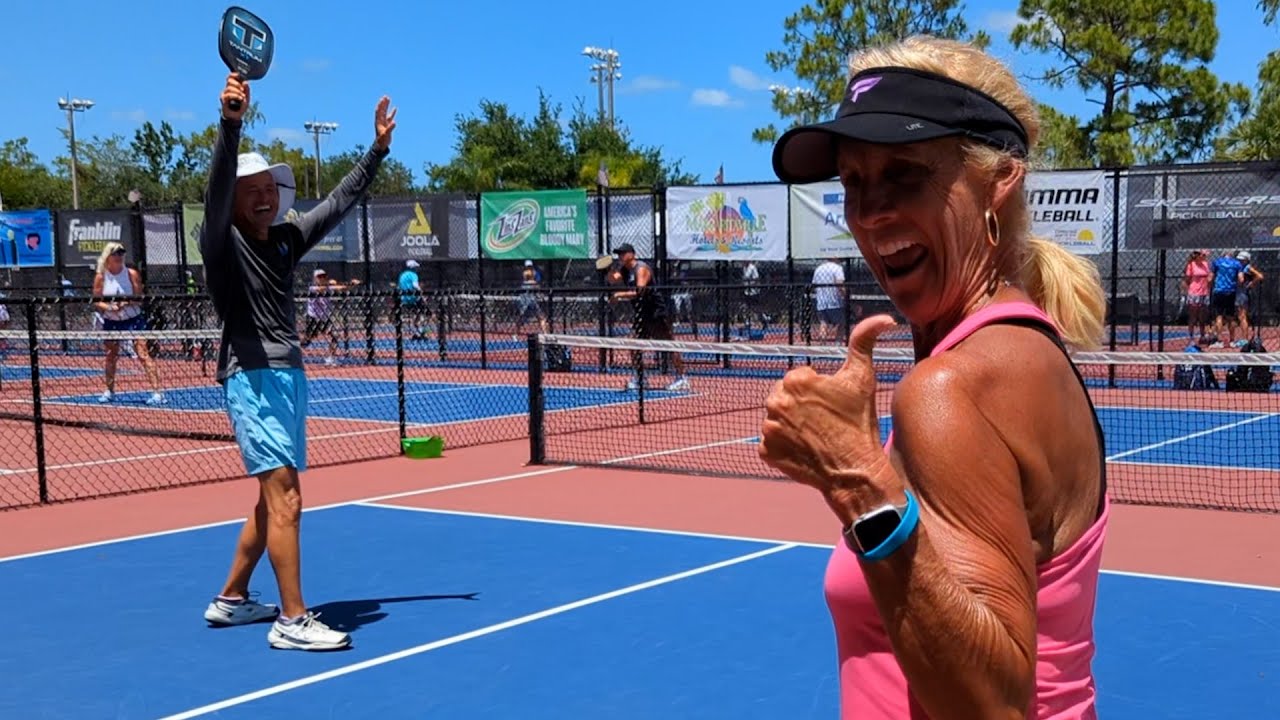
[(341, 244), (539, 225), (192, 222), (1072, 208), (727, 222), (419, 229), (818, 227), (85, 233), (1223, 209), (26, 239)]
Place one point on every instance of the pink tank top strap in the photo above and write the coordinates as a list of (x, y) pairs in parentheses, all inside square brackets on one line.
[(987, 315)]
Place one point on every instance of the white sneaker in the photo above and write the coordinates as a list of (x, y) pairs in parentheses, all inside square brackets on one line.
[(248, 610), (308, 633), (679, 384), (106, 396), (156, 399)]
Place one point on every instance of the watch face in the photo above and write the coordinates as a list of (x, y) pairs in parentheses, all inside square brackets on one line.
[(875, 529)]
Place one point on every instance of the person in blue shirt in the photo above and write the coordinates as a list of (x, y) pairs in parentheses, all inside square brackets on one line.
[(1227, 272), (413, 307)]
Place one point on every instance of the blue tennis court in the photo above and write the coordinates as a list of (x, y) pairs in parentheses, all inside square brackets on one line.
[(426, 403), (457, 615)]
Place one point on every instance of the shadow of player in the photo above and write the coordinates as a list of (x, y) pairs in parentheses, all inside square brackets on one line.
[(349, 615)]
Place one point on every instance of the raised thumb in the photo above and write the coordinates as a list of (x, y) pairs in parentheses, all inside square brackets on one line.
[(862, 339)]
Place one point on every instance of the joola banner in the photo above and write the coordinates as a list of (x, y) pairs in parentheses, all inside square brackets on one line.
[(84, 233), (727, 222), (1224, 209), (818, 227), (418, 229), (539, 225), (1071, 208)]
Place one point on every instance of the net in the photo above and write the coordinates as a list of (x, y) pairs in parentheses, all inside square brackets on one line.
[(61, 380), (1182, 429)]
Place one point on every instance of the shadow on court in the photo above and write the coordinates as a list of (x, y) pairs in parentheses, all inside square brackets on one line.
[(350, 615)]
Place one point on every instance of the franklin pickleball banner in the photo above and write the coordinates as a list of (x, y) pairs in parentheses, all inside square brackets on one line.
[(84, 233)]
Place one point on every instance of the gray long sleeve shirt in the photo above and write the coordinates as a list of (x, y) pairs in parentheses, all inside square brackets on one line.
[(251, 282)]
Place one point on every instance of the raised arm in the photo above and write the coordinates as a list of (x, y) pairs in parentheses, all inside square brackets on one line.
[(319, 221), (219, 193), (957, 598)]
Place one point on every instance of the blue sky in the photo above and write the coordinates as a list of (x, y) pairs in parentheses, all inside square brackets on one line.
[(694, 76)]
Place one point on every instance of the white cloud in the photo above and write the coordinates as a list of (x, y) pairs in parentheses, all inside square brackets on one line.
[(179, 115), (649, 83), (1001, 21), (136, 116), (713, 98), (316, 64), (288, 135), (746, 79)]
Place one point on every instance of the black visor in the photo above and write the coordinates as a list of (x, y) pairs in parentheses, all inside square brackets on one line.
[(893, 106)]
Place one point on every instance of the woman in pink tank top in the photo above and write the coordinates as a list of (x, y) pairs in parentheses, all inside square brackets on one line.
[(964, 580)]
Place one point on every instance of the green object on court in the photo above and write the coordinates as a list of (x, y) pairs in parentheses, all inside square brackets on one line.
[(423, 447)]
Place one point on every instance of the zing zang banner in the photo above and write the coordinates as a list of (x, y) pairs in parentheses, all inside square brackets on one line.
[(538, 225)]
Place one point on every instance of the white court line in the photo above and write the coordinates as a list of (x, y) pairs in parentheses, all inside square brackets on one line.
[(1191, 436), (375, 500), (380, 504), (471, 635)]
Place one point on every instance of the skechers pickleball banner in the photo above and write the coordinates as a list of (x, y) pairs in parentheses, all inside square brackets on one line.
[(727, 222), (818, 228), (541, 225)]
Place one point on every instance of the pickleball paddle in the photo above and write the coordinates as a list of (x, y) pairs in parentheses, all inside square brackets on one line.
[(246, 44)]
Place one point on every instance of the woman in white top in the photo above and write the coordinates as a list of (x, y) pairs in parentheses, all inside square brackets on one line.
[(114, 279)]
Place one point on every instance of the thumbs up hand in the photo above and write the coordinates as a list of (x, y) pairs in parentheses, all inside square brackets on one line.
[(824, 431)]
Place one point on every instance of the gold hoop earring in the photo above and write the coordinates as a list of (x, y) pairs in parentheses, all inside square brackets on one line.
[(993, 229)]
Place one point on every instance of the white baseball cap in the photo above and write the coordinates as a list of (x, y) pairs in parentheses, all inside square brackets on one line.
[(411, 264), (253, 163), (318, 272)]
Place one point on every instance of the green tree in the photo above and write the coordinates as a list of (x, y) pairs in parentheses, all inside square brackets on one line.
[(499, 149), (1064, 142), (1144, 63), (26, 183), (818, 39)]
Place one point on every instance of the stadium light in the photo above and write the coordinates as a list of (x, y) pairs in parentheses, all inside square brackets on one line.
[(317, 129), (605, 72), (71, 107)]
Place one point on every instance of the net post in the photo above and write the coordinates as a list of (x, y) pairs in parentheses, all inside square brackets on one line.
[(398, 320), (537, 438), (42, 472)]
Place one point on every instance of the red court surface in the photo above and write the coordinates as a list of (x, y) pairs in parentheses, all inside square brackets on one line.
[(1244, 548)]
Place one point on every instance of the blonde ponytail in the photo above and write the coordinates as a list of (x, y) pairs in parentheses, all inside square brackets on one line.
[(1069, 289)]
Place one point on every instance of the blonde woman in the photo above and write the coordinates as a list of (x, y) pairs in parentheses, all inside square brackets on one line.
[(114, 280), (965, 579)]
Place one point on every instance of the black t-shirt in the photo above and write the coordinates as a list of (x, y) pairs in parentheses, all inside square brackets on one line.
[(651, 302)]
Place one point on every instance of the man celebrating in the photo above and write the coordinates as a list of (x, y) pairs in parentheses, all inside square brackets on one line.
[(250, 253)]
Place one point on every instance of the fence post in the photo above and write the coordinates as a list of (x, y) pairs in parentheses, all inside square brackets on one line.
[(370, 310), (537, 432), (397, 317), (1115, 268), (42, 473)]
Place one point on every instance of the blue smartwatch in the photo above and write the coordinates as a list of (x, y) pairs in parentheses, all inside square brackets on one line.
[(876, 534)]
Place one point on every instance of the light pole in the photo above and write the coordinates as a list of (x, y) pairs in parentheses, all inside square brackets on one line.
[(73, 106), (606, 71), (317, 129)]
